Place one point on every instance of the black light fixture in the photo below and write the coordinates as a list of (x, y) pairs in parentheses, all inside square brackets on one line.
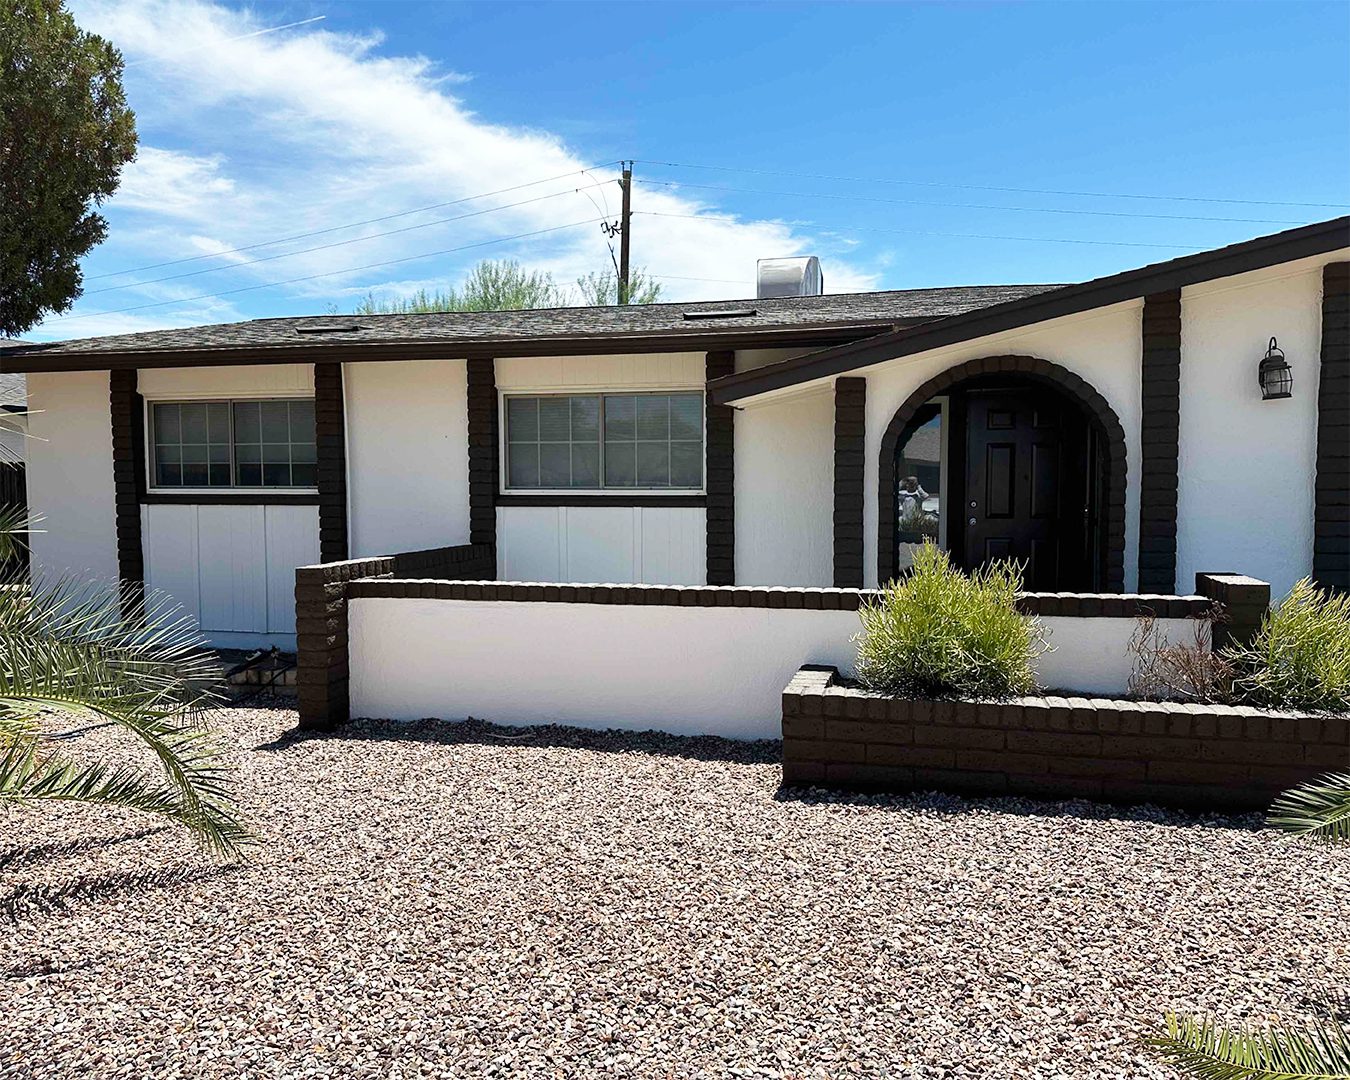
[(1277, 378)]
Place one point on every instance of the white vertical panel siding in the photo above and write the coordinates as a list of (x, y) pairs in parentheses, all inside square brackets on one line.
[(232, 568), (407, 455), (1247, 466), (1103, 347), (633, 544), (785, 492)]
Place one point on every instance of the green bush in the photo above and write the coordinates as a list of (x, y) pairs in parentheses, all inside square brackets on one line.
[(940, 631), (1300, 658)]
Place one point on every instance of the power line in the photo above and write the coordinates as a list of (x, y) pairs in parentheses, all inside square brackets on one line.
[(339, 243), (990, 187), (348, 225), (968, 206), (329, 273), (925, 232)]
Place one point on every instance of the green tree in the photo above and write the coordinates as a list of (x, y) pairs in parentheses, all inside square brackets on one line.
[(504, 285), (65, 133), (602, 289), (492, 285), (68, 653)]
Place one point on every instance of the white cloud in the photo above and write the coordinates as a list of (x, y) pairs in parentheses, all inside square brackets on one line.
[(294, 132)]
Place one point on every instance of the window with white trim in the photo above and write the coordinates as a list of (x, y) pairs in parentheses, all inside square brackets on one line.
[(600, 442), (233, 444)]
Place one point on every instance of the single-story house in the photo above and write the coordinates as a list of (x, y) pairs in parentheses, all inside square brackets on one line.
[(1117, 435)]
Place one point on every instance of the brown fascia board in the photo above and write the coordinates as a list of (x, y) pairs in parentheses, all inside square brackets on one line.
[(1300, 243), (38, 360)]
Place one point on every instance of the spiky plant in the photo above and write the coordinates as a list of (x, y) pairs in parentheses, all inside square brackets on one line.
[(1202, 1049), (1319, 809), (75, 653)]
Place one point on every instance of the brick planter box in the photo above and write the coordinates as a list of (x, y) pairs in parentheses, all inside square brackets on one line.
[(1197, 756)]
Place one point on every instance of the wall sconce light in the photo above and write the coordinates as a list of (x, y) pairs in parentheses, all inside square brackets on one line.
[(1277, 378)]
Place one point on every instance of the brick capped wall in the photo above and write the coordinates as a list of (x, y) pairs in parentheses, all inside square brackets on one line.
[(1050, 747)]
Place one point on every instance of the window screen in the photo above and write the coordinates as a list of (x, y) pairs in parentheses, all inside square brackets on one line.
[(233, 444), (600, 441)]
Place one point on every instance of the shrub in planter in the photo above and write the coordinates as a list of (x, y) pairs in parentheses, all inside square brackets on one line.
[(1300, 658), (940, 631)]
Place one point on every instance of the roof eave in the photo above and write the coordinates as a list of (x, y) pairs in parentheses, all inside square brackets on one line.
[(804, 335), (1264, 251)]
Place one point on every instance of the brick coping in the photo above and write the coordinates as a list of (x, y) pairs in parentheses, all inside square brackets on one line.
[(1068, 605)]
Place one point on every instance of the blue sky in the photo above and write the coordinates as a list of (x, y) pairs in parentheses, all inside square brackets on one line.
[(907, 145)]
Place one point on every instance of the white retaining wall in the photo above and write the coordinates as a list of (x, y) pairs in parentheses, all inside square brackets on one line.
[(686, 670)]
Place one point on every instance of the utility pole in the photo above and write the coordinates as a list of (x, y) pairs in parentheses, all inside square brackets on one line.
[(624, 228)]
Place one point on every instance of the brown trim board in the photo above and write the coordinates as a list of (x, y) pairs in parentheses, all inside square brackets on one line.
[(1331, 506), (1300, 243), (720, 481), (481, 391), (330, 435), (618, 498), (850, 461), (234, 497), (1159, 437), (127, 415)]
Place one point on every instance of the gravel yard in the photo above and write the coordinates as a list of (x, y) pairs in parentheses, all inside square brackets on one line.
[(466, 901)]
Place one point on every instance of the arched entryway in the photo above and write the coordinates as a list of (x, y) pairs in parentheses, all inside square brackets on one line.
[(1007, 457)]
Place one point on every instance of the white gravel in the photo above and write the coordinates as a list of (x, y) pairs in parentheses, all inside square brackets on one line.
[(466, 901)]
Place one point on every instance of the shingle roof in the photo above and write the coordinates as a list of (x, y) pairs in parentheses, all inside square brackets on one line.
[(866, 311), (13, 392)]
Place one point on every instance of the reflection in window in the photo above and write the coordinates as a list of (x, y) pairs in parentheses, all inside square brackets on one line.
[(918, 481)]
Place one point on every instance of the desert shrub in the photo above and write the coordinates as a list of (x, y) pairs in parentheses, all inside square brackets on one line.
[(1185, 670), (940, 631), (1300, 658)]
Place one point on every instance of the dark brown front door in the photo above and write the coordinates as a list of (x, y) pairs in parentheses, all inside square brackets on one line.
[(1026, 490)]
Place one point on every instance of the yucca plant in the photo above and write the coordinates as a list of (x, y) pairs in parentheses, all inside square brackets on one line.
[(75, 653), (941, 631)]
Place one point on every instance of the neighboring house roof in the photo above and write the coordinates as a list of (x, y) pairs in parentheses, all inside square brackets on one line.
[(13, 392), (724, 323), (1303, 242)]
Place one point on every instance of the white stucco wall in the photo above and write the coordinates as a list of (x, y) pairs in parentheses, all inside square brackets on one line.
[(687, 670), (1246, 466), (785, 491), (261, 380), (1103, 347), (70, 480), (407, 455)]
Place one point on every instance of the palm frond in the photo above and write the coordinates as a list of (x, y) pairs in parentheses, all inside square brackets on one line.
[(1202, 1049), (1319, 809), (123, 657), (27, 775)]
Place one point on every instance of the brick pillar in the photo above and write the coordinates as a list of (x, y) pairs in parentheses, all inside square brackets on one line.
[(1331, 514), (1159, 436), (321, 639), (850, 453), (721, 477), (1245, 601)]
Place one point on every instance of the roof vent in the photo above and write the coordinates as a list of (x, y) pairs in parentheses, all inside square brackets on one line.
[(329, 328), (789, 277), (722, 313)]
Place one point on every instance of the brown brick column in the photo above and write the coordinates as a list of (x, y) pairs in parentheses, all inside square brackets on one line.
[(321, 639), (1159, 434), (127, 411), (1331, 514), (850, 454), (483, 468), (330, 437), (721, 476), (1245, 601)]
